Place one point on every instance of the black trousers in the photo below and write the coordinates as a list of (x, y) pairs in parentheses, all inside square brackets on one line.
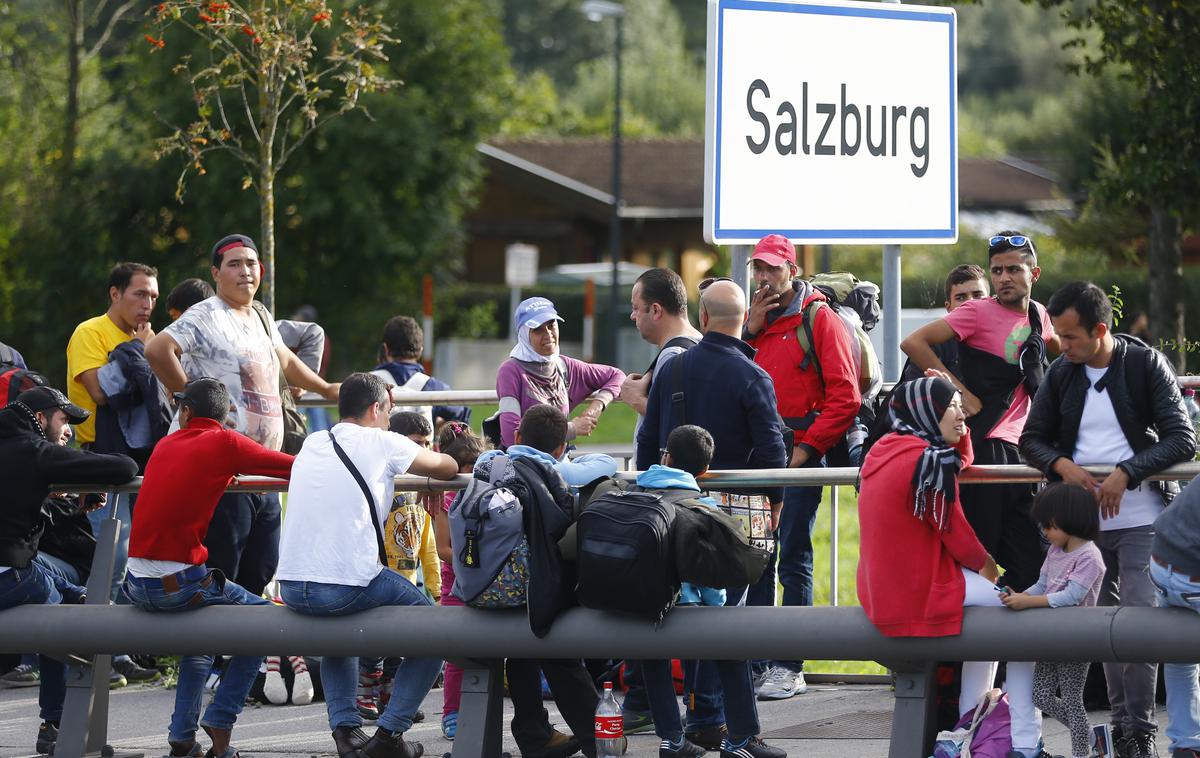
[(573, 691), (243, 539), (999, 514)]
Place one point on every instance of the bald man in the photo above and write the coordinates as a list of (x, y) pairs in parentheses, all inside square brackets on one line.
[(725, 392)]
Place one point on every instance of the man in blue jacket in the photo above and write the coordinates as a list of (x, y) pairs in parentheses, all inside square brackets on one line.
[(717, 386), (400, 353)]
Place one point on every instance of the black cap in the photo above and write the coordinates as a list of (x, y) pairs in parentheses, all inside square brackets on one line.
[(229, 242), (46, 398)]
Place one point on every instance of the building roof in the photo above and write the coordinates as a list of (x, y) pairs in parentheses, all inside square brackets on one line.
[(665, 178)]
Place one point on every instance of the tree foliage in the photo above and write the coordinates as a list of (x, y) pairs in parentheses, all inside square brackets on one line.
[(264, 85)]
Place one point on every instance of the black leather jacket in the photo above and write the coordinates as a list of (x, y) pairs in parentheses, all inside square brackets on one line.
[(1147, 402)]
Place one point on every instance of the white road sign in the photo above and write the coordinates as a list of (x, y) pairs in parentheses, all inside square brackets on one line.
[(831, 122)]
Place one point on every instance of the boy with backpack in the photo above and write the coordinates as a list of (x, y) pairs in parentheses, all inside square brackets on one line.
[(543, 483), (689, 452)]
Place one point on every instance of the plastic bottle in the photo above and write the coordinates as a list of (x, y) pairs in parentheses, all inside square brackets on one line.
[(1193, 409), (610, 731)]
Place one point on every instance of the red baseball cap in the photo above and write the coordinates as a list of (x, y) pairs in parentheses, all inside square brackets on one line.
[(774, 250)]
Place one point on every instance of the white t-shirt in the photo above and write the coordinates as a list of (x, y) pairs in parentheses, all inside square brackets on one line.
[(218, 342), (328, 536), (1102, 442)]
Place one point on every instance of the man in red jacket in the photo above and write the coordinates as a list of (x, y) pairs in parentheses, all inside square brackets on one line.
[(819, 398), (185, 477)]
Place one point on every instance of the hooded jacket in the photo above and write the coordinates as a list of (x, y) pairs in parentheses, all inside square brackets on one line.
[(909, 580), (823, 410), (1145, 398), (29, 464)]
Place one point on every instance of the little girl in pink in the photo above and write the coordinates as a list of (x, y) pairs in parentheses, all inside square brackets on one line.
[(456, 439)]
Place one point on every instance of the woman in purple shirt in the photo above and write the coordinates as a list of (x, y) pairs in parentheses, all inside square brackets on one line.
[(536, 373)]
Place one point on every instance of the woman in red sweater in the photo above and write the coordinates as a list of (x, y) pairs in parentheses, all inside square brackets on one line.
[(920, 561)]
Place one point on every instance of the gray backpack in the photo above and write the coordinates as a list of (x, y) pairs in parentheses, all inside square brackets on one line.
[(487, 537)]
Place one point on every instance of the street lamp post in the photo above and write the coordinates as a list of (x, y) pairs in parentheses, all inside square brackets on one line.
[(597, 10)]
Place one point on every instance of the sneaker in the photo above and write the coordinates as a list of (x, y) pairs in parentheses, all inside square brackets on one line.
[(708, 737), (349, 740), (1141, 745), (759, 676), (686, 749), (116, 680), (558, 746), (47, 736), (637, 723), (302, 689), (450, 725), (274, 688), (22, 676), (385, 744), (781, 683), (135, 673), (753, 748)]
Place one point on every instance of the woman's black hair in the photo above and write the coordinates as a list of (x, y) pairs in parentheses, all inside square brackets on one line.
[(1068, 507)]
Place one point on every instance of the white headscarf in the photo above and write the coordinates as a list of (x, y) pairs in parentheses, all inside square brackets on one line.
[(523, 351)]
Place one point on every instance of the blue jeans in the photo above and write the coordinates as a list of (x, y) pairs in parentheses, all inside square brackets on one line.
[(196, 587), (795, 555), (37, 586), (60, 568), (741, 714), (1183, 691), (339, 676), (119, 505)]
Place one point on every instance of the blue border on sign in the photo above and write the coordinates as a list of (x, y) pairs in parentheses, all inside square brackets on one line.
[(835, 10)]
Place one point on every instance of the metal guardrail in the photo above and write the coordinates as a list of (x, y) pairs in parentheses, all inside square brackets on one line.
[(477, 637), (489, 397)]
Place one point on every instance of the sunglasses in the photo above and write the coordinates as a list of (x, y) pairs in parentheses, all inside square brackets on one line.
[(1016, 240), (710, 281)]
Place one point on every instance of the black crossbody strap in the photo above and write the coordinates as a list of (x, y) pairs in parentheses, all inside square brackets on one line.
[(366, 493)]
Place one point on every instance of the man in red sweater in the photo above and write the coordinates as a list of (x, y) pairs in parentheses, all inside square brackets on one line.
[(818, 397), (185, 477)]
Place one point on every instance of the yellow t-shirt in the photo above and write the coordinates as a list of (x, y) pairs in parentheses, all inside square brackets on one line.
[(89, 347)]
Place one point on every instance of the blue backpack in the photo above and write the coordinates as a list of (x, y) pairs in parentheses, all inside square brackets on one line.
[(487, 537)]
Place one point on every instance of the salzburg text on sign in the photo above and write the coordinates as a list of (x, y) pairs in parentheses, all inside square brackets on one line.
[(857, 124)]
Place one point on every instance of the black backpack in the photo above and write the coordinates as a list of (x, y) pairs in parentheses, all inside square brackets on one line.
[(625, 556), (712, 548)]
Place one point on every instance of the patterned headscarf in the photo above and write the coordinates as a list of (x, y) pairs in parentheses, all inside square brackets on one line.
[(917, 408)]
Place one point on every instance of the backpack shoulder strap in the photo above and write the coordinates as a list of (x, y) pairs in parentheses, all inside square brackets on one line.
[(366, 493), (804, 336), (678, 404)]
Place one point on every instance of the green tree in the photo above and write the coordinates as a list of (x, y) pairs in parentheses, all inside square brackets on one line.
[(269, 80), (1153, 43)]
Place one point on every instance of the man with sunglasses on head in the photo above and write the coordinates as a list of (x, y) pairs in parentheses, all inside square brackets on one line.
[(233, 338), (819, 399), (1002, 348)]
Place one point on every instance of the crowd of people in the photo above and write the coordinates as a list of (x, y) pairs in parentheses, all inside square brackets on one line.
[(769, 380)]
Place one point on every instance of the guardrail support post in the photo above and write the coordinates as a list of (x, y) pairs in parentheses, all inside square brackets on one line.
[(84, 726), (481, 710), (913, 719)]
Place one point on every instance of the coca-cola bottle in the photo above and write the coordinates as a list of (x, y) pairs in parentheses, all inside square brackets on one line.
[(610, 731)]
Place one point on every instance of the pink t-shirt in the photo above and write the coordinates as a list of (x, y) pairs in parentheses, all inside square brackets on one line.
[(988, 326), (1084, 565), (447, 567)]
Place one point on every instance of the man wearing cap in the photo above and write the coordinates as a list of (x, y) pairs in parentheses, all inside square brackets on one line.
[(227, 337), (34, 431), (185, 478), (818, 398)]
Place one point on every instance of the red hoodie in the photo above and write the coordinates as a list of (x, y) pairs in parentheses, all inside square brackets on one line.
[(909, 580), (185, 477), (801, 392)]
